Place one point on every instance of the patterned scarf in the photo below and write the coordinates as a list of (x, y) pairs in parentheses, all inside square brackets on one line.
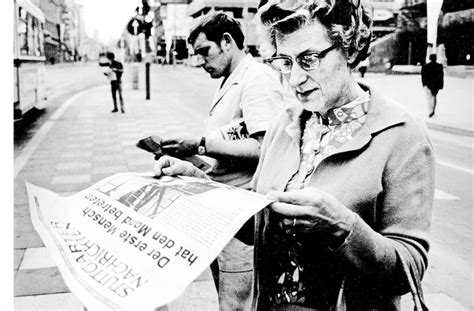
[(318, 141)]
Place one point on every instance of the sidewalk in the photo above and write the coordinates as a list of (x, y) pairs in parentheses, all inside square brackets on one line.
[(454, 111), (86, 143)]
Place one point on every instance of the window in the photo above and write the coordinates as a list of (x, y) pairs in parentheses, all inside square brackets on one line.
[(22, 31), (30, 34)]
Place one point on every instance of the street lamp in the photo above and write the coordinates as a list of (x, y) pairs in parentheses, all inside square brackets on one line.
[(141, 25), (148, 16)]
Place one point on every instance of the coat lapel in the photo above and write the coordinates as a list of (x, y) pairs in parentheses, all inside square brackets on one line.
[(381, 115), (221, 92), (234, 79)]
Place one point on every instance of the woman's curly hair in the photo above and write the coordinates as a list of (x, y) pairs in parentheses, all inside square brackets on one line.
[(348, 22)]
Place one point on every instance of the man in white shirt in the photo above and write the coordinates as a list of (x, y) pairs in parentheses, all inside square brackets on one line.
[(247, 100)]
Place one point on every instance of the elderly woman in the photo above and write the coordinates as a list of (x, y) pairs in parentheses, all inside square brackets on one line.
[(351, 173)]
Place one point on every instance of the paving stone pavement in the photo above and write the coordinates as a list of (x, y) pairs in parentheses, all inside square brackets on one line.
[(88, 143)]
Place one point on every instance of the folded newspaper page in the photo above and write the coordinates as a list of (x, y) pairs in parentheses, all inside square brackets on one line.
[(135, 242)]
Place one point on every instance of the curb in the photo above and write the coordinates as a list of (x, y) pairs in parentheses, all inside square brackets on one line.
[(449, 129), (21, 160)]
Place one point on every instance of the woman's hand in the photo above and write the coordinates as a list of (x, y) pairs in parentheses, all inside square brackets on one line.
[(313, 210), (170, 166)]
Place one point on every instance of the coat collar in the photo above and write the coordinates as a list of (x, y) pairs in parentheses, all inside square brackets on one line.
[(382, 114), (234, 78)]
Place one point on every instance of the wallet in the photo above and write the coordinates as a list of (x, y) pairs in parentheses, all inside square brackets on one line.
[(151, 144)]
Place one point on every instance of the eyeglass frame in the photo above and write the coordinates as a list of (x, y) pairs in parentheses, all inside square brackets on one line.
[(314, 66)]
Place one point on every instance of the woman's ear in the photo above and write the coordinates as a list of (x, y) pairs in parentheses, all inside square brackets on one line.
[(362, 52)]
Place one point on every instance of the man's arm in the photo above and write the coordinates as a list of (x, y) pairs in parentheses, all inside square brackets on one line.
[(217, 147), (261, 99), (118, 67), (247, 148), (423, 79)]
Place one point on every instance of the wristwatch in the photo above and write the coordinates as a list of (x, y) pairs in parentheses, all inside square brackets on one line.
[(202, 146)]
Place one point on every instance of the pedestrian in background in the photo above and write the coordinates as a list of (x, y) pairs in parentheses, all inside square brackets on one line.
[(350, 172), (246, 101), (114, 74), (432, 78)]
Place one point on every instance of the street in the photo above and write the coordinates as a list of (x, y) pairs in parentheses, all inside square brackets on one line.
[(450, 267), (69, 151)]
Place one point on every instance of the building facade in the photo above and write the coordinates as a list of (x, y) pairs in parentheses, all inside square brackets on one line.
[(52, 10), (456, 31), (65, 38), (408, 43), (71, 31)]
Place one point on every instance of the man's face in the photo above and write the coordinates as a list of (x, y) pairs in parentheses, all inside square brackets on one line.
[(324, 87), (212, 58)]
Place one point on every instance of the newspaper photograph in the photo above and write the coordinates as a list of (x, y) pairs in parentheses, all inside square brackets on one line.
[(135, 242)]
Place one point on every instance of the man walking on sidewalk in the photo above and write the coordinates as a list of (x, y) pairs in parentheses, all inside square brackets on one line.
[(432, 80), (115, 76), (247, 100)]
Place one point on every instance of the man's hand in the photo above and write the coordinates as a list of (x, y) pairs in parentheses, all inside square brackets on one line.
[(313, 210), (170, 166), (151, 144), (180, 147)]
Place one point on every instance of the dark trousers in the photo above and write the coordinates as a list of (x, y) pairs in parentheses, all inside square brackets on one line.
[(431, 99), (116, 87)]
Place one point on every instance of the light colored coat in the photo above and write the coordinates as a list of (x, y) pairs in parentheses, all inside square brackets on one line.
[(253, 93), (386, 176)]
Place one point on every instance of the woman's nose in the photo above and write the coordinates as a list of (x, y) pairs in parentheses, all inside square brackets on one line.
[(297, 75)]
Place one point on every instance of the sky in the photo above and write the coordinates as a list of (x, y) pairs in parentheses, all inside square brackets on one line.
[(109, 17)]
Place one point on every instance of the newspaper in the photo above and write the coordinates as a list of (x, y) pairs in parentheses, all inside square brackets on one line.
[(135, 242), (111, 75)]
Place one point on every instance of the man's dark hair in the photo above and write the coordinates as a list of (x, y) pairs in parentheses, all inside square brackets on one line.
[(214, 26), (110, 55), (433, 57)]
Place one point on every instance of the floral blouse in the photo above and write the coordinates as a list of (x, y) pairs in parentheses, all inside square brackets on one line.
[(293, 280)]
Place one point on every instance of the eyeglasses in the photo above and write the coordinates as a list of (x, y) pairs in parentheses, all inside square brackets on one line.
[(307, 61)]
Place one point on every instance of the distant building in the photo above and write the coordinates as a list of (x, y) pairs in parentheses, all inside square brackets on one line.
[(456, 31), (455, 44), (81, 31), (385, 13), (90, 49), (52, 10), (64, 30), (170, 27), (408, 43), (176, 25), (71, 31)]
